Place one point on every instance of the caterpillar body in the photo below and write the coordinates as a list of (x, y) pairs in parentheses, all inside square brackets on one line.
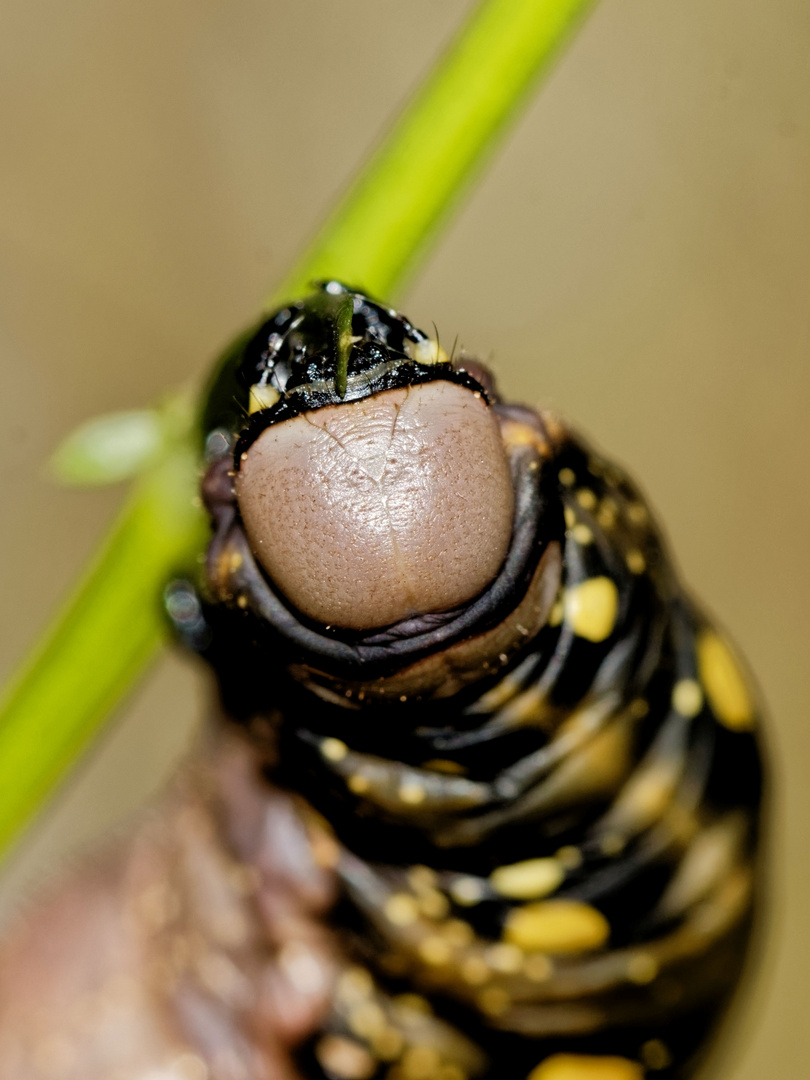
[(530, 758)]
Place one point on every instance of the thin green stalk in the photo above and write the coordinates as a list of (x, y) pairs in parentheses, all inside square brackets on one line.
[(106, 634), (112, 626)]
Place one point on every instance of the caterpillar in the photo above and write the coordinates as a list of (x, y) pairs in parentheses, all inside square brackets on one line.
[(527, 756)]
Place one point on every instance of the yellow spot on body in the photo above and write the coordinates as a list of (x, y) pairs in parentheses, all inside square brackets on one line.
[(420, 1063), (354, 984), (569, 857), (458, 932), (401, 909), (582, 534), (345, 1058), (367, 1020), (427, 352), (687, 697), (586, 1067), (475, 971), (567, 477), (413, 1003), (586, 498), (725, 684), (358, 784), (607, 514), (655, 1054), (262, 397), (444, 765), (235, 561), (435, 950), (451, 1072), (468, 891), (334, 749), (556, 926), (422, 878), (642, 969), (613, 843), (528, 880), (637, 512), (555, 616), (412, 792), (388, 1044), (494, 1001), (570, 517), (538, 967), (591, 608), (505, 958), (636, 563), (434, 904)]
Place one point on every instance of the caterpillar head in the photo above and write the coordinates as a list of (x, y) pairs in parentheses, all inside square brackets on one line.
[(371, 476)]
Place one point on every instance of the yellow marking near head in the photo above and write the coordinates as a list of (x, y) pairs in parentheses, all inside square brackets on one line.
[(528, 880), (358, 784), (556, 926), (687, 697), (725, 684), (591, 608), (427, 352), (586, 1067), (262, 397)]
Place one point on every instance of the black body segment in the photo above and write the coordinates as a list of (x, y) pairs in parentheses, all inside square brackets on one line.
[(544, 805)]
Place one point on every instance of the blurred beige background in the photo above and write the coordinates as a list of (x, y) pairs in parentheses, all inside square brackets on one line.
[(638, 256)]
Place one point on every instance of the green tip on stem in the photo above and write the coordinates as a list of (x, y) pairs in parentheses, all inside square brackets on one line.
[(343, 342)]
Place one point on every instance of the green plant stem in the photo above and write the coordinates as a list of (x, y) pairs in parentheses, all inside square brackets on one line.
[(382, 225), (108, 631), (112, 626)]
